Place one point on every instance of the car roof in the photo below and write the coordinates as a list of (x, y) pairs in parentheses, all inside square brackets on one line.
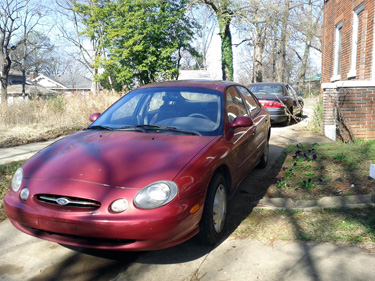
[(220, 85), (268, 83)]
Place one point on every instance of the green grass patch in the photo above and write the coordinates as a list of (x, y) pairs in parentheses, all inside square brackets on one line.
[(324, 169)]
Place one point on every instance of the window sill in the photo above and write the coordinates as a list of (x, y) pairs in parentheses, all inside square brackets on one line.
[(352, 73), (335, 78)]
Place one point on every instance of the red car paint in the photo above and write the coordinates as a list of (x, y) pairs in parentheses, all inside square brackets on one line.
[(103, 166)]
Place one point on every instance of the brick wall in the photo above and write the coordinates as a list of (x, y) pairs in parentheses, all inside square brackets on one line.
[(341, 11), (354, 96), (357, 105)]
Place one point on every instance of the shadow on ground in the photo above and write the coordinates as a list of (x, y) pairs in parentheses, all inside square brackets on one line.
[(88, 264)]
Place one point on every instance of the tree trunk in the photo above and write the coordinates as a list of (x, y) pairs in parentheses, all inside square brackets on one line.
[(259, 49), (273, 57), (283, 38), (302, 70), (4, 92), (226, 47), (6, 62)]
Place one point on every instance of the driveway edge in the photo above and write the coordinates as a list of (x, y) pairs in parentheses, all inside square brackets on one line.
[(351, 201)]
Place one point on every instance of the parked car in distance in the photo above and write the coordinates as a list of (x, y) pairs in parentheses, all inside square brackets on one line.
[(152, 171), (280, 99)]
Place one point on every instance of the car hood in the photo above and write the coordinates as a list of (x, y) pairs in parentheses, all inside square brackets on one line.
[(117, 158)]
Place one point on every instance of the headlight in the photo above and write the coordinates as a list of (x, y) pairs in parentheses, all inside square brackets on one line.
[(119, 205), (24, 194), (156, 195), (17, 180)]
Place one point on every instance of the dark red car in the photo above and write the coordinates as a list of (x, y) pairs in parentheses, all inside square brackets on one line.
[(281, 100), (151, 172)]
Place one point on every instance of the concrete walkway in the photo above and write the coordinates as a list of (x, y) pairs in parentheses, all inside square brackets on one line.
[(22, 152)]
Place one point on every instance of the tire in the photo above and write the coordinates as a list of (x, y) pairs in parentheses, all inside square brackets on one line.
[(301, 112), (212, 224), (264, 158)]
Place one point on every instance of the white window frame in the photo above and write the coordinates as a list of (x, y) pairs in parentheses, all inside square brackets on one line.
[(353, 65), (337, 52)]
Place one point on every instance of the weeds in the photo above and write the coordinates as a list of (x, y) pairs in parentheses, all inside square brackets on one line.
[(317, 119), (38, 120), (311, 171)]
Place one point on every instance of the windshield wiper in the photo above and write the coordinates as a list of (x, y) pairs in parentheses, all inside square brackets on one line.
[(155, 127), (146, 127), (100, 127)]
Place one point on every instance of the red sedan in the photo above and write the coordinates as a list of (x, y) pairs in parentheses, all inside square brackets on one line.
[(152, 171)]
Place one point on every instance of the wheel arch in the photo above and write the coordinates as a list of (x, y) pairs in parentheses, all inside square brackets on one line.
[(225, 172)]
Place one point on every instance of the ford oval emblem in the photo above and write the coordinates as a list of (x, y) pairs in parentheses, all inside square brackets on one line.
[(62, 201)]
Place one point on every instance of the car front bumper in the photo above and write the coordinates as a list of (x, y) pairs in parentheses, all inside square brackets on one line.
[(132, 230)]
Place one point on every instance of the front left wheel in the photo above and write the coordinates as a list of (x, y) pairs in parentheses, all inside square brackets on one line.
[(212, 224)]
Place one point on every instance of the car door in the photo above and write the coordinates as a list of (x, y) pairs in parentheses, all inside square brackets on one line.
[(243, 140), (260, 120)]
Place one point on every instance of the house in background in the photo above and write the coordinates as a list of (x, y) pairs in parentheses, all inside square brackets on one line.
[(66, 84), (15, 77), (348, 69)]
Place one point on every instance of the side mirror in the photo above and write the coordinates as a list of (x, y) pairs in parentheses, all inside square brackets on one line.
[(300, 94), (94, 116), (241, 121)]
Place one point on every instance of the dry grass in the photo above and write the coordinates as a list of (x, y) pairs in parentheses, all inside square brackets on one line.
[(40, 120), (347, 227)]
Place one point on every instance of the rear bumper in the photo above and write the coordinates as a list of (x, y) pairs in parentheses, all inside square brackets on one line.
[(277, 115)]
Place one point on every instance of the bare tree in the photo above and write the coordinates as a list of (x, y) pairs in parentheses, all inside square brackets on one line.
[(11, 13), (205, 18), (37, 54), (258, 19), (283, 42), (308, 27), (86, 52), (224, 15), (29, 20)]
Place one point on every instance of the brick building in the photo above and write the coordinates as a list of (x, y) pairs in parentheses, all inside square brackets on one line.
[(348, 69)]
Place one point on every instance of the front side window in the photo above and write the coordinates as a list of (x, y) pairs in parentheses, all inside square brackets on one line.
[(250, 101), (291, 91), (234, 104)]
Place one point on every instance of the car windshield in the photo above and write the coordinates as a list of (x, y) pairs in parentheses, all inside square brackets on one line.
[(173, 110), (266, 89)]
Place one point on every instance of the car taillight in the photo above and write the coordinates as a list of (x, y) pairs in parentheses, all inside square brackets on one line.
[(270, 103)]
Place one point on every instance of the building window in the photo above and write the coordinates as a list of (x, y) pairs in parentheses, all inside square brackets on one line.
[(353, 66), (337, 62)]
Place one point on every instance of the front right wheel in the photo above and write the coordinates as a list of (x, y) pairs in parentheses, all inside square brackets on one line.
[(212, 224)]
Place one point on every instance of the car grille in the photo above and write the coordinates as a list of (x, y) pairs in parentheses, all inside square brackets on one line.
[(68, 201)]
